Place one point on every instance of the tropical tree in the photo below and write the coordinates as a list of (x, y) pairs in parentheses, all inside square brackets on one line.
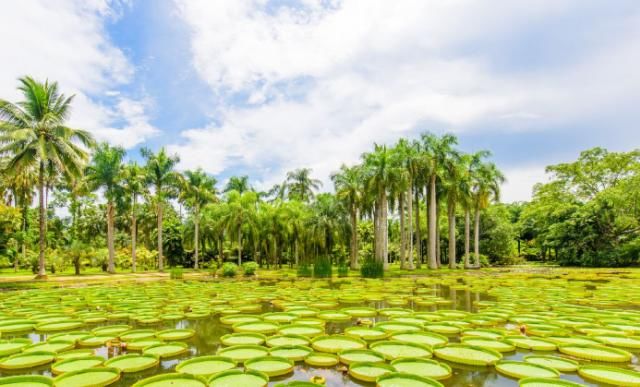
[(105, 172), (349, 186), (33, 132), (164, 179), (133, 181), (454, 185), (486, 182), (240, 214), (238, 183), (198, 190), (300, 185)]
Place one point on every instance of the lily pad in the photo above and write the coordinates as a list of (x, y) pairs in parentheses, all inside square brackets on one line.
[(172, 380), (422, 367), (360, 355), (270, 365), (293, 352), (133, 362), (559, 363), (496, 345), (596, 352), (243, 339), (548, 382), (535, 344), (369, 372), (242, 353), (175, 334), (237, 378), (392, 350), (401, 379), (9, 347), (277, 340), (206, 366), (468, 354), (366, 333), (137, 334), (426, 338), (321, 359), (59, 326), (301, 329), (263, 327), (27, 360), (75, 353), (91, 377), (75, 364), (26, 381), (610, 375), (336, 343), (165, 350), (140, 344), (521, 369)]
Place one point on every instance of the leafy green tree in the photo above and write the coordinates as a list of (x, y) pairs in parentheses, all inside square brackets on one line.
[(238, 183), (133, 182), (349, 186), (486, 181), (300, 185), (198, 190), (240, 214), (35, 135)]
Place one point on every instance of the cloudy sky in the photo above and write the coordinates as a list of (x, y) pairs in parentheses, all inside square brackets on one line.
[(260, 87)]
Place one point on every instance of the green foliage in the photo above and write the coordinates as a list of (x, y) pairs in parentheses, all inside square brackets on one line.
[(249, 268), (229, 269), (343, 270), (372, 268), (304, 270), (322, 267), (176, 273)]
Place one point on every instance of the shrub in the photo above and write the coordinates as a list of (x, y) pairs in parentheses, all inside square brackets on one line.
[(322, 267), (343, 270), (249, 268), (372, 269), (229, 269), (176, 273), (304, 270)]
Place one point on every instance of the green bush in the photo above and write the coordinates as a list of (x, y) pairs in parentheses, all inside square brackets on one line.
[(343, 270), (229, 269), (176, 273), (372, 269), (249, 268), (322, 267), (304, 270)]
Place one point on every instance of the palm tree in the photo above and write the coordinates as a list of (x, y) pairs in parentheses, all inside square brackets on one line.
[(20, 186), (105, 172), (133, 180), (301, 185), (198, 190), (34, 133), (349, 186), (486, 187), (161, 175), (466, 199), (436, 151), (238, 183), (455, 166), (241, 213)]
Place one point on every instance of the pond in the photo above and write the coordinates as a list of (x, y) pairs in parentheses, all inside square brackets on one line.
[(501, 313)]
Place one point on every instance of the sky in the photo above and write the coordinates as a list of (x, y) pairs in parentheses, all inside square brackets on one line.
[(261, 87)]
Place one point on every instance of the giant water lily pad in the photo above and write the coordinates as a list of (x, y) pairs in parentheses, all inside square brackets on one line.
[(631, 342), (133, 362), (206, 365), (242, 353), (535, 344), (366, 333), (596, 352), (68, 336), (140, 344), (26, 381), (165, 350), (426, 338), (27, 360), (548, 382), (95, 341), (270, 365), (336, 343), (243, 339), (468, 354), (401, 379), (369, 372), (237, 378), (293, 352), (110, 330), (392, 350), (360, 355), (495, 345), (175, 334), (321, 359), (278, 340), (559, 363), (301, 329), (521, 369), (397, 326), (137, 334), (422, 367), (172, 380), (75, 353), (9, 347), (64, 325), (610, 375), (75, 364), (91, 377), (360, 311), (263, 327), (54, 346)]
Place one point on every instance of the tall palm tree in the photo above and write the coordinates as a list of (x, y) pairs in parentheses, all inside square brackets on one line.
[(349, 185), (453, 183), (436, 151), (466, 199), (34, 134), (486, 187), (238, 183), (241, 214), (20, 186), (198, 190), (105, 172), (133, 180), (164, 179), (300, 185)]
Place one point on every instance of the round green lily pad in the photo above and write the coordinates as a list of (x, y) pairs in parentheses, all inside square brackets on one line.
[(427, 338), (521, 369), (79, 363), (397, 326), (610, 375), (559, 363), (263, 327), (9, 347), (95, 341), (334, 316), (422, 367), (54, 346), (91, 377), (301, 329), (242, 353), (68, 336), (366, 333), (533, 343), (64, 325), (277, 340), (369, 372), (468, 354), (402, 379), (548, 382), (165, 350), (27, 360), (392, 350), (206, 366), (349, 356), (17, 326), (360, 311), (133, 362), (270, 365), (293, 352), (140, 344), (110, 330), (239, 318), (175, 334), (237, 378), (26, 381), (172, 380), (321, 359), (631, 342), (137, 334), (243, 339), (75, 353), (336, 343), (496, 345), (596, 352)]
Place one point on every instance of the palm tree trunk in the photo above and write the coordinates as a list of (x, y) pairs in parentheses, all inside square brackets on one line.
[(134, 234), (432, 223), (111, 268), (354, 238), (467, 238), (418, 233), (452, 236), (438, 246), (403, 240), (385, 231), (160, 258), (239, 246), (42, 272), (410, 221), (377, 233), (295, 251), (196, 239), (476, 239)]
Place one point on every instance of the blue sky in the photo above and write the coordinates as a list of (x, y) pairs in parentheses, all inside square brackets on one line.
[(260, 87)]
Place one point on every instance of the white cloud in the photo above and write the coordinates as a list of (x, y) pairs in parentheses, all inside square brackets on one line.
[(520, 181), (65, 41), (376, 70)]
